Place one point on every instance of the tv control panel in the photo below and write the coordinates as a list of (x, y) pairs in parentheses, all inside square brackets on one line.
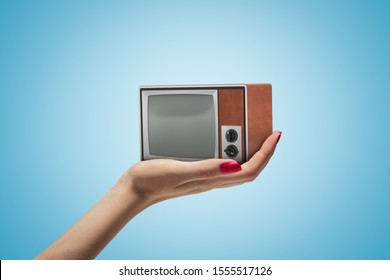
[(231, 142)]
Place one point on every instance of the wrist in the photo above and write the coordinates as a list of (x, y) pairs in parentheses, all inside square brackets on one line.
[(129, 192)]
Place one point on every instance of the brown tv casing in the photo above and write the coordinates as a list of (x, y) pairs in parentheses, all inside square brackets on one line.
[(258, 104), (246, 105)]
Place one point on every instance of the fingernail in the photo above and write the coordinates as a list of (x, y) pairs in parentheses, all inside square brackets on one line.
[(277, 141), (229, 167)]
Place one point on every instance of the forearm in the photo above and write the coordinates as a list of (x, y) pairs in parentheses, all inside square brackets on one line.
[(98, 226)]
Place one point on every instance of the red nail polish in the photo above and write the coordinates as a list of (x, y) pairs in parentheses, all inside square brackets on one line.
[(277, 141), (229, 167)]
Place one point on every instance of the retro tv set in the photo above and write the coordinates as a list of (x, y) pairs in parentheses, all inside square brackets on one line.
[(197, 122)]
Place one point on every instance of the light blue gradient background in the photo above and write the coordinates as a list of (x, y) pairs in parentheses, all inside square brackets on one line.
[(69, 74)]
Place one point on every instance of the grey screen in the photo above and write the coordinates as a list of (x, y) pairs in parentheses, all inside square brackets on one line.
[(181, 125)]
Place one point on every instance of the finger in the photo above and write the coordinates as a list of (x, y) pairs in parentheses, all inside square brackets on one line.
[(252, 168), (210, 168), (209, 184), (259, 160), (208, 173), (204, 185)]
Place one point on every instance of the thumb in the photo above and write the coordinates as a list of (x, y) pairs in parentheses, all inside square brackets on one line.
[(210, 168)]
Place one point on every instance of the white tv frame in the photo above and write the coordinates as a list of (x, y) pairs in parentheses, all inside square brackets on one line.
[(145, 91)]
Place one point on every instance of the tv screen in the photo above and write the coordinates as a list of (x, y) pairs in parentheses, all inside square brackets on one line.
[(182, 125)]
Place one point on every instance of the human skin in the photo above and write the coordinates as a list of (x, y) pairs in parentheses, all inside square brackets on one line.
[(147, 183)]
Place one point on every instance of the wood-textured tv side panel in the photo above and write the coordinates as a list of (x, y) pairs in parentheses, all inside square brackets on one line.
[(259, 115), (231, 111)]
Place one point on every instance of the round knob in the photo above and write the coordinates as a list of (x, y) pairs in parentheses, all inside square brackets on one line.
[(231, 135), (231, 151)]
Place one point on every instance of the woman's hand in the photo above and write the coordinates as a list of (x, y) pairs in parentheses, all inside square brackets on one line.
[(161, 179), (144, 184)]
